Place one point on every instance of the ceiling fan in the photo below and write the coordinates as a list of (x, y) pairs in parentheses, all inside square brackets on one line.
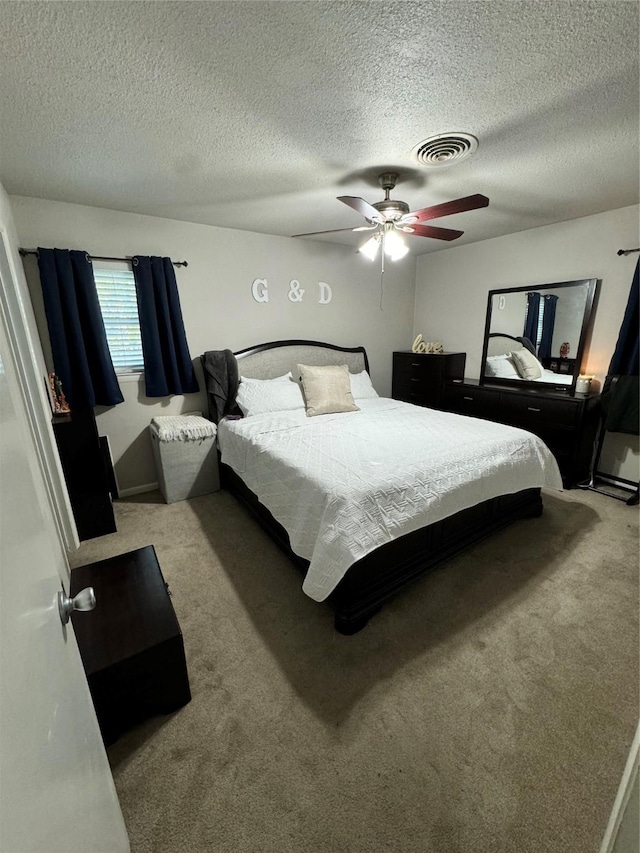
[(390, 218)]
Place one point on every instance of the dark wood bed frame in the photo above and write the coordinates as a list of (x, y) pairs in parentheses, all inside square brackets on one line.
[(380, 575)]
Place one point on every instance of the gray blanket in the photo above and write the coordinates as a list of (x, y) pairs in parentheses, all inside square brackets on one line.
[(221, 377)]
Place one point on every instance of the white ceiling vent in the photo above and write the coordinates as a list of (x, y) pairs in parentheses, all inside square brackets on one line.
[(444, 149)]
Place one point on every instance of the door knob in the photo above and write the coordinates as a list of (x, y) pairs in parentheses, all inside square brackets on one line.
[(84, 600)]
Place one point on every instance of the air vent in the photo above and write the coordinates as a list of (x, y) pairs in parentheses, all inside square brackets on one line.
[(444, 149)]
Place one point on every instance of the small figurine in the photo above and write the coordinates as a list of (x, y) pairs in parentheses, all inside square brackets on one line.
[(60, 405), (564, 349)]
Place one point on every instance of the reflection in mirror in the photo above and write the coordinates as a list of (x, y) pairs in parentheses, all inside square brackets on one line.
[(537, 334)]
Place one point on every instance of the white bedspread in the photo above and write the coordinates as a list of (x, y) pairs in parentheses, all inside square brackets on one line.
[(344, 484)]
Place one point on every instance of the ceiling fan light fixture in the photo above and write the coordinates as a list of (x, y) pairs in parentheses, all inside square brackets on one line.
[(370, 248), (394, 246), (393, 217), (400, 253)]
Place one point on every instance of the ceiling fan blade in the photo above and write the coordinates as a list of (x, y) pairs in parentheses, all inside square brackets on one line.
[(363, 207), (334, 231), (470, 202), (431, 231)]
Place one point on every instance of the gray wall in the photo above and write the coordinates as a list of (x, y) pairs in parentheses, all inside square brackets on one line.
[(452, 287), (219, 310)]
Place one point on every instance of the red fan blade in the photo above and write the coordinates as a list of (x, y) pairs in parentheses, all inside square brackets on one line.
[(470, 202), (363, 207), (332, 231), (431, 231)]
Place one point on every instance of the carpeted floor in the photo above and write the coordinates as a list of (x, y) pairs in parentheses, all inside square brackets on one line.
[(489, 708)]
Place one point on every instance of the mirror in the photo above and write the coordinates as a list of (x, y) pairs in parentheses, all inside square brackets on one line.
[(535, 336)]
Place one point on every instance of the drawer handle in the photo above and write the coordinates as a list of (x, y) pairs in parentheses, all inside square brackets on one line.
[(414, 380), (532, 409), (467, 398), (415, 364)]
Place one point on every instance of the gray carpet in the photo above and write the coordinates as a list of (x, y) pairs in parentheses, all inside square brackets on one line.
[(491, 707)]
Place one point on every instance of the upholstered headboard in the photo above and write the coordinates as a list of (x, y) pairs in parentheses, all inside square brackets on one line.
[(266, 361), (502, 344), (222, 368)]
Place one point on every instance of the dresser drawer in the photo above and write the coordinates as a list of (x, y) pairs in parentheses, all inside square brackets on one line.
[(532, 411), (407, 367), (413, 372), (411, 379), (446, 365), (470, 400), (425, 396)]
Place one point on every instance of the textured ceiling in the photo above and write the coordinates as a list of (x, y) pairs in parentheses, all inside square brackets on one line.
[(256, 115)]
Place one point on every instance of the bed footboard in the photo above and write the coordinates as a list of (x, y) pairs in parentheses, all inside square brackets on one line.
[(387, 570)]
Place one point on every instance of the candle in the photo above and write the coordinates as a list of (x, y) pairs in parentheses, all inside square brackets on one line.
[(583, 384)]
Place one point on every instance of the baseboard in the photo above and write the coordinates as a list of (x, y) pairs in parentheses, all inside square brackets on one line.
[(138, 490), (622, 797)]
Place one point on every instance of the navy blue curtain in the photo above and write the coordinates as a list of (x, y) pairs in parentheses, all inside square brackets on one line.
[(625, 357), (79, 346), (621, 396), (167, 363), (548, 322), (531, 318)]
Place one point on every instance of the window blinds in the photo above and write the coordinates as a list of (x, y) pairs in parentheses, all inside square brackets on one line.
[(117, 297), (536, 343)]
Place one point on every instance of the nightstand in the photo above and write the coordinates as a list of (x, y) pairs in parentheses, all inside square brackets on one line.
[(130, 644)]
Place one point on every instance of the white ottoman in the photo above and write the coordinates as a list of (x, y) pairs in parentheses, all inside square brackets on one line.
[(184, 450)]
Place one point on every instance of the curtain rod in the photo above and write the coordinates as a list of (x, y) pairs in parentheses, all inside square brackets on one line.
[(627, 251), (24, 252)]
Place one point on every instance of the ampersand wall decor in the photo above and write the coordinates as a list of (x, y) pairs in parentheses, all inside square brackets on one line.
[(295, 292)]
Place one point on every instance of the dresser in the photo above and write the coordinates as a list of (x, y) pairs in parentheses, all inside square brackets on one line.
[(421, 378), (567, 425)]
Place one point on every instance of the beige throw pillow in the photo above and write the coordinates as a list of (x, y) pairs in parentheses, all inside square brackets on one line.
[(327, 389), (527, 364)]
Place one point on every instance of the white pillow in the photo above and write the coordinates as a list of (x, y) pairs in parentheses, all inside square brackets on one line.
[(501, 366), (527, 364), (326, 389), (361, 387), (263, 396)]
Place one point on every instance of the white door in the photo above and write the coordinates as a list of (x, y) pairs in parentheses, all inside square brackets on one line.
[(56, 790)]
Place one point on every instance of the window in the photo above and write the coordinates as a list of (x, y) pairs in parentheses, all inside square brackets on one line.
[(536, 343), (117, 297)]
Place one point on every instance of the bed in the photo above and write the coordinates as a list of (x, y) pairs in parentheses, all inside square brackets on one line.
[(358, 531), (499, 363)]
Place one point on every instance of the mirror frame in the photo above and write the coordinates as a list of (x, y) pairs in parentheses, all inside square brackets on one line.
[(526, 384)]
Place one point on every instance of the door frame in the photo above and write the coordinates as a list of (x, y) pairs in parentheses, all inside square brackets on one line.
[(32, 375)]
